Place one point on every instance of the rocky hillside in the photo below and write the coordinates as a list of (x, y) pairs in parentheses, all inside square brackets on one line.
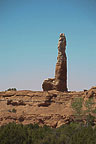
[(51, 108)]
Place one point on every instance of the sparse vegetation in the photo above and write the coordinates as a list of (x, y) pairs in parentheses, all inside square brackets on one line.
[(90, 119), (88, 104), (77, 106), (11, 89), (79, 113), (14, 110), (94, 111)]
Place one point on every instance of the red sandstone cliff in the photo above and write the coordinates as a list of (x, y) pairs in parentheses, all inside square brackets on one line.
[(51, 108)]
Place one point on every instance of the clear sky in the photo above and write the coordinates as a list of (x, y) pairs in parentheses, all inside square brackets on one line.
[(29, 34)]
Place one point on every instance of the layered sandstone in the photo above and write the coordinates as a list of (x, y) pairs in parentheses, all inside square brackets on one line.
[(51, 108), (59, 83)]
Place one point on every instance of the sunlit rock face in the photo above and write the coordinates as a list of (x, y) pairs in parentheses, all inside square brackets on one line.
[(61, 65), (59, 83)]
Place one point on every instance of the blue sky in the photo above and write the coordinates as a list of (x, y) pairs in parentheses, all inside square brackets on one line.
[(29, 33)]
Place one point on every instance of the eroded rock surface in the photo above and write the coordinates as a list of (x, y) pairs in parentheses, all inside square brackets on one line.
[(59, 83), (51, 108)]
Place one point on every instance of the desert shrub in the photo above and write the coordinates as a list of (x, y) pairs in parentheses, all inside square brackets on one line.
[(88, 104), (72, 133), (77, 107), (90, 119), (11, 89), (94, 110), (14, 110), (77, 104)]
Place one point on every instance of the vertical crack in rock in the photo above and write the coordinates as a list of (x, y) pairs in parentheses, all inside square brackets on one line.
[(58, 83)]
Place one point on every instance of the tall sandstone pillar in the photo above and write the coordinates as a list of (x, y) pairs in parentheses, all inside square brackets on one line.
[(61, 65), (59, 83)]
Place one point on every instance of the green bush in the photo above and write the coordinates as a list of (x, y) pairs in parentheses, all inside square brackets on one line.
[(90, 119), (72, 133), (88, 104), (77, 106), (14, 110), (11, 89)]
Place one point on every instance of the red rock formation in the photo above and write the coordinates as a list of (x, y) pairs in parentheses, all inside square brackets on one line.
[(61, 65), (52, 108), (59, 83)]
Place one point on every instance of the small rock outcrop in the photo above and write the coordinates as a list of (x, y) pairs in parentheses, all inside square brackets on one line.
[(58, 83)]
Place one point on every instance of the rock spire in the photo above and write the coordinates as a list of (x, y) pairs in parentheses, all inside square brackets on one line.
[(59, 83)]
